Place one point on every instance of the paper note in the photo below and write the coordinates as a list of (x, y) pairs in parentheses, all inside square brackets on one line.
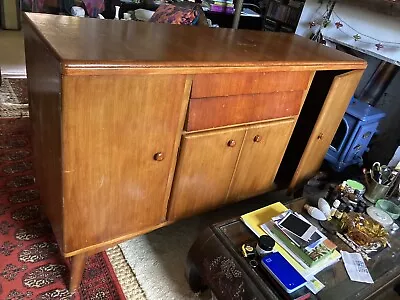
[(355, 267), (395, 161), (314, 285)]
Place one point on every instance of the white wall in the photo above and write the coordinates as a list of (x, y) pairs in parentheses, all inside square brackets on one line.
[(375, 24), (385, 25)]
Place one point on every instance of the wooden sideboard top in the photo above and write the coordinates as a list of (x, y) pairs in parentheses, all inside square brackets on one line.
[(91, 46)]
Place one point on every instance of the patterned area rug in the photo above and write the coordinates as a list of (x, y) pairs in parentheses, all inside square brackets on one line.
[(13, 98), (31, 266)]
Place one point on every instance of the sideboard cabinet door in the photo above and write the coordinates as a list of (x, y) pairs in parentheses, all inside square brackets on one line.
[(204, 171), (120, 139), (261, 155)]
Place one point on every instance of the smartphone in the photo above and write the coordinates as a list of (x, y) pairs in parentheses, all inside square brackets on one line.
[(298, 227)]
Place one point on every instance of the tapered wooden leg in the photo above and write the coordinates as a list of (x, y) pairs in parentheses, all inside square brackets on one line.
[(77, 267)]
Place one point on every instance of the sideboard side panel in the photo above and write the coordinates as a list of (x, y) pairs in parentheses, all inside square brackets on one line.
[(44, 85)]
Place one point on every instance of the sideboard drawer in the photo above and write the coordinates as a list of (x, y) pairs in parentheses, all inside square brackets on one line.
[(214, 112), (212, 85)]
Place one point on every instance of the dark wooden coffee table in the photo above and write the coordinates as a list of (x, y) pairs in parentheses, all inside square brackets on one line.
[(215, 261)]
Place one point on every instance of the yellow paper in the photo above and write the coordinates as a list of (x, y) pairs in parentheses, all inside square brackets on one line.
[(260, 216)]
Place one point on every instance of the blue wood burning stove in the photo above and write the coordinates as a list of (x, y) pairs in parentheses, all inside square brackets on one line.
[(355, 131)]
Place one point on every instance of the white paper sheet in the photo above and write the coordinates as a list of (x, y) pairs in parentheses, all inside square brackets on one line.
[(314, 285), (355, 267), (395, 161)]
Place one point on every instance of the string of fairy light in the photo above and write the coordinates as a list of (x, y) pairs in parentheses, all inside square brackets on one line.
[(330, 16)]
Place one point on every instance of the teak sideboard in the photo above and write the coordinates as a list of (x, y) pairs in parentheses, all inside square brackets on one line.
[(137, 125)]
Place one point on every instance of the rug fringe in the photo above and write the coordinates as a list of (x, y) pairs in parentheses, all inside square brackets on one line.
[(126, 277), (13, 104)]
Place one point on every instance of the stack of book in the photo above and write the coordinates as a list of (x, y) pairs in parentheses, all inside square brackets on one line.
[(308, 257), (225, 6), (316, 254)]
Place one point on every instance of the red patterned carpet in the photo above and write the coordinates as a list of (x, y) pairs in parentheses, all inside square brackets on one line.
[(31, 266)]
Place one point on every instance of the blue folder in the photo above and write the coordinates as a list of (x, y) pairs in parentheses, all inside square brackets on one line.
[(283, 272)]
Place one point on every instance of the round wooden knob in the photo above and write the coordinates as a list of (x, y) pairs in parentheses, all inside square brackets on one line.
[(159, 156), (231, 143), (257, 139)]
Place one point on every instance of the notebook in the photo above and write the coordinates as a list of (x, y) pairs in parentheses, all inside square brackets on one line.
[(283, 272)]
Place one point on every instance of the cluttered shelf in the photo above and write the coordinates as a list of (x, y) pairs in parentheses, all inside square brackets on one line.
[(220, 13), (341, 246), (270, 15)]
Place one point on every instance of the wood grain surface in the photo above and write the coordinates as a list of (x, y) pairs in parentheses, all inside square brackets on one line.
[(214, 85), (204, 172), (112, 128), (108, 103), (88, 46), (44, 85), (333, 109), (77, 267), (181, 123), (260, 157), (214, 112)]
